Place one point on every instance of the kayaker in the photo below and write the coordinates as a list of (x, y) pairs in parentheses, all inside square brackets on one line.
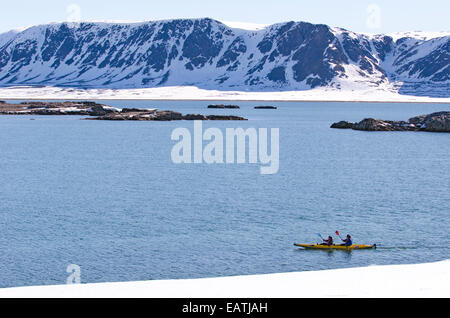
[(347, 241), (328, 241)]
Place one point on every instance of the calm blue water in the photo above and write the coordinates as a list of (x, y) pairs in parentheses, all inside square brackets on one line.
[(107, 197)]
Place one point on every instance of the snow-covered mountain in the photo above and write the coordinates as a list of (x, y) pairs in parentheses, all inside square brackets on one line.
[(209, 54)]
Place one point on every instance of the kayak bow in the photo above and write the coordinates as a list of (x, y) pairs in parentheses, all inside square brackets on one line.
[(336, 247)]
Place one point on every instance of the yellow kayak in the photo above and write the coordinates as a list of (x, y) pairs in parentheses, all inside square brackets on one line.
[(336, 247)]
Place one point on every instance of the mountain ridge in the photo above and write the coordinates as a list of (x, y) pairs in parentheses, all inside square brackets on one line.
[(209, 54)]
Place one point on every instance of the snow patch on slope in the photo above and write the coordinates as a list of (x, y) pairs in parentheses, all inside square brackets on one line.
[(245, 25)]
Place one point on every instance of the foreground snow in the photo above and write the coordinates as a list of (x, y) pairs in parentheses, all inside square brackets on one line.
[(424, 280), (194, 93)]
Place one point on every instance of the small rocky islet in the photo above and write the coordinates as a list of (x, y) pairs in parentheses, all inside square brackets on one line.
[(96, 111), (221, 106), (265, 107), (435, 122)]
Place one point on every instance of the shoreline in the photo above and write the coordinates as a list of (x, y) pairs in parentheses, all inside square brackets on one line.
[(227, 100), (394, 281), (192, 93)]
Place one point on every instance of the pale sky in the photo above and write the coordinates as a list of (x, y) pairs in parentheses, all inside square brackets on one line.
[(374, 16)]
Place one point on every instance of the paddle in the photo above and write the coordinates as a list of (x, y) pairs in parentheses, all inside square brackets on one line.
[(319, 235), (337, 232)]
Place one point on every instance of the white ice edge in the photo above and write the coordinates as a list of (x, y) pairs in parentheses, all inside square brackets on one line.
[(393, 281), (194, 93)]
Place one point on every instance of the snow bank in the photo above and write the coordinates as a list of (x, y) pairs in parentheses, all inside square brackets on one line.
[(424, 280), (194, 93)]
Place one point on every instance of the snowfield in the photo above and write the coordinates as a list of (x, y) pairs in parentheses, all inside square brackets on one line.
[(394, 281), (351, 94)]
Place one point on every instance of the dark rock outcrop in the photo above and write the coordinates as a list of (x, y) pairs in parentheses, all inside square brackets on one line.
[(135, 110), (343, 125), (265, 107), (224, 106), (224, 117), (194, 117), (371, 124), (435, 122), (99, 110), (166, 115), (56, 108), (439, 122), (96, 111)]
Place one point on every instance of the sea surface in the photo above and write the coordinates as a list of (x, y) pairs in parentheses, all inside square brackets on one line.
[(107, 197)]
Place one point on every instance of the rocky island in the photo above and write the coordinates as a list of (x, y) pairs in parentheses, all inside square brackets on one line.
[(435, 122), (96, 111), (265, 107), (221, 106)]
